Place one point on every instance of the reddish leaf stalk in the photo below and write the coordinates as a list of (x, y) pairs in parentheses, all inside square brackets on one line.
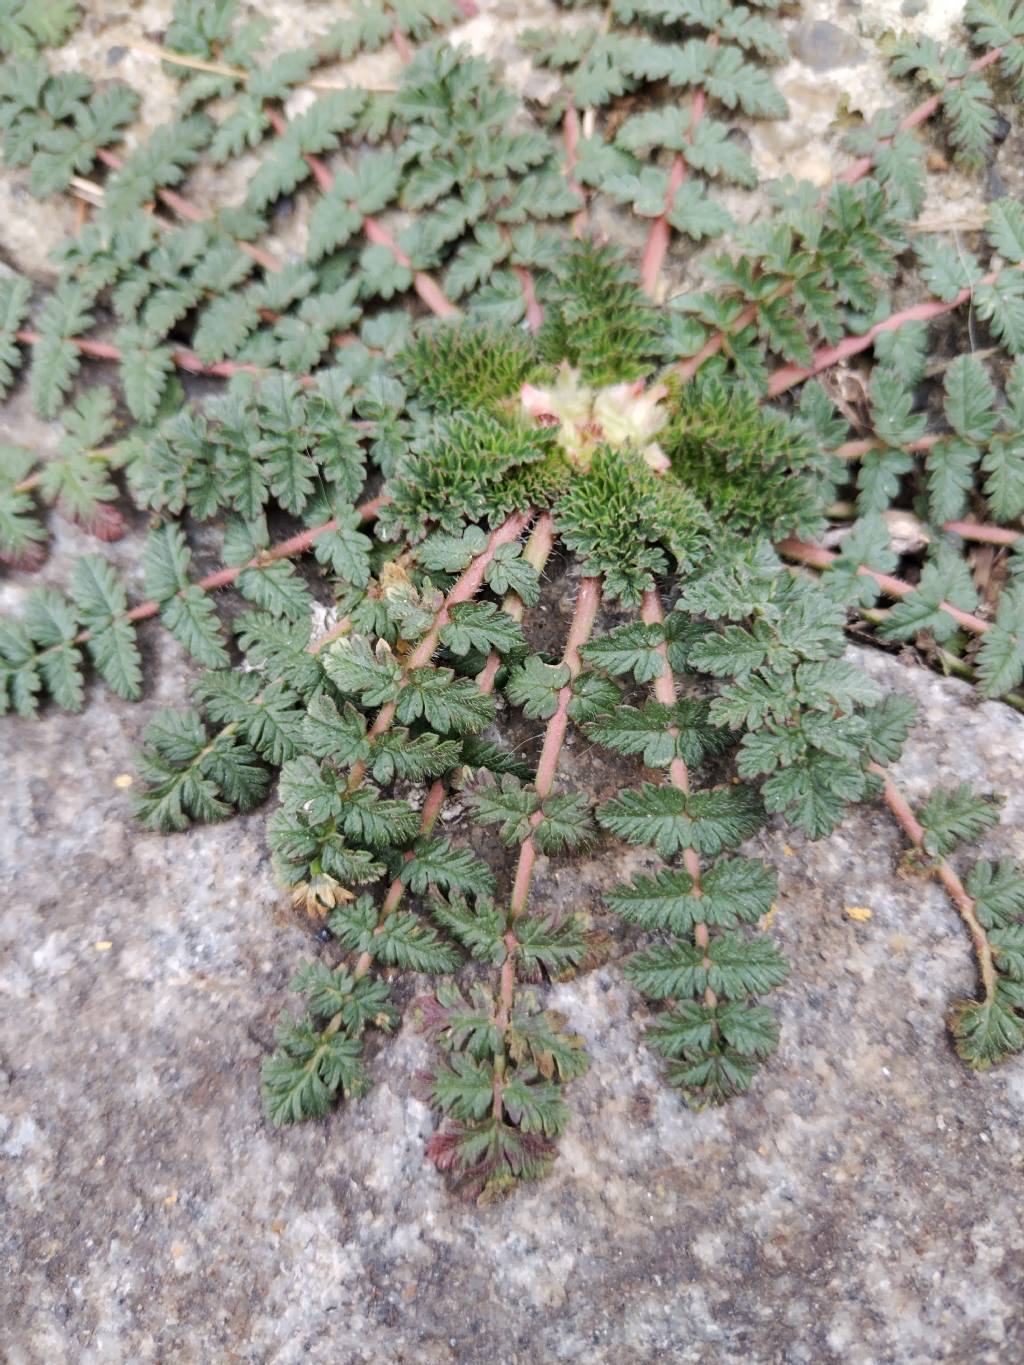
[(921, 114), (534, 311), (436, 796), (658, 236), (660, 231), (467, 586), (853, 450), (285, 549), (571, 133), (968, 530), (664, 689), (401, 43), (536, 553), (184, 208), (428, 289), (789, 375), (819, 558), (587, 602), (986, 535), (686, 369), (955, 889), (185, 360)]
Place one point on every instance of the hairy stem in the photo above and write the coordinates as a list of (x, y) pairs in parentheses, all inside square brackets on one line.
[(853, 450), (664, 688), (571, 135), (986, 535), (185, 360), (428, 289), (955, 889), (945, 662), (184, 208), (787, 376), (466, 587), (587, 602), (686, 369), (817, 557), (434, 803), (921, 114), (285, 549), (660, 231), (536, 553)]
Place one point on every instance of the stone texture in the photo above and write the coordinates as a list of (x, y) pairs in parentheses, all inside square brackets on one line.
[(848, 1210), (823, 46)]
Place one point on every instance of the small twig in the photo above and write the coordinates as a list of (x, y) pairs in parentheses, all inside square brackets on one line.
[(238, 73)]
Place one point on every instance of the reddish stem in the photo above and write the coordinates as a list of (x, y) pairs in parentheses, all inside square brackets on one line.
[(789, 375), (986, 535), (957, 892), (819, 558), (435, 798), (537, 551), (853, 450), (587, 603), (534, 312), (686, 369), (428, 289), (969, 530), (401, 43), (467, 586), (432, 808), (658, 237), (664, 688), (921, 114), (572, 140), (185, 360), (184, 208), (285, 549)]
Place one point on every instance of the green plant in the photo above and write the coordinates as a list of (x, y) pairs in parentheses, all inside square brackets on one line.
[(448, 387)]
